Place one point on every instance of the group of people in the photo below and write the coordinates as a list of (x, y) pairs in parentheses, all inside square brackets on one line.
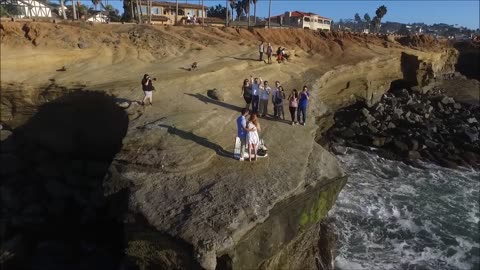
[(281, 53), (257, 93)]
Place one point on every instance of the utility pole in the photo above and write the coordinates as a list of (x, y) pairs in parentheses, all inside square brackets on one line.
[(269, 9), (176, 14), (74, 10), (203, 14), (226, 13)]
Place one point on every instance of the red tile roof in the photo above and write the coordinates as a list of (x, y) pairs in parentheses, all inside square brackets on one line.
[(300, 14)]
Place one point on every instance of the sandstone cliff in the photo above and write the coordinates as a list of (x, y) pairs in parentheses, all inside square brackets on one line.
[(183, 201)]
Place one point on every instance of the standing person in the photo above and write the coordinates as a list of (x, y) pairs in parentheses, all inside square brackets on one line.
[(279, 55), (264, 96), (242, 131), (274, 93), (261, 50), (255, 93), (269, 53), (147, 87), (247, 92), (253, 140), (293, 104), (302, 105), (278, 98)]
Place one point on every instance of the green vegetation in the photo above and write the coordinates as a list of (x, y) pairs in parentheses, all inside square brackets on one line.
[(320, 207), (9, 10), (217, 11)]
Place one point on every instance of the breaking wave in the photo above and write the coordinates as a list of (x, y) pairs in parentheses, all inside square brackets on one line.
[(394, 216)]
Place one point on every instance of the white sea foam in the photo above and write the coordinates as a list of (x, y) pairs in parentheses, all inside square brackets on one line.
[(393, 216)]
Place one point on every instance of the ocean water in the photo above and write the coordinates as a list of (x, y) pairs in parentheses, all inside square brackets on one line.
[(394, 216)]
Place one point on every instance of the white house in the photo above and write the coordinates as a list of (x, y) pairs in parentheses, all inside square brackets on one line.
[(29, 8), (98, 18), (305, 20)]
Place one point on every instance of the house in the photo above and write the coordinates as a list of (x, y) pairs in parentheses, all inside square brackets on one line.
[(165, 11), (28, 8), (305, 20), (99, 17)]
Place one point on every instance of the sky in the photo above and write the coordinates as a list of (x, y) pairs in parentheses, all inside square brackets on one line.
[(461, 12)]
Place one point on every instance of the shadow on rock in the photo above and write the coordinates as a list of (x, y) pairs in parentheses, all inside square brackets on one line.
[(197, 139), (207, 100), (59, 210)]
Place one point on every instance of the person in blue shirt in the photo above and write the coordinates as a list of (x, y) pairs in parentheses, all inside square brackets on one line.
[(302, 105), (242, 131)]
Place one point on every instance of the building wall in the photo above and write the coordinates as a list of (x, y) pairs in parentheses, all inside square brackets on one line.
[(170, 12), (37, 9)]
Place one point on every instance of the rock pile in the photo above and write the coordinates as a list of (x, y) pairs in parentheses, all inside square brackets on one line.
[(411, 126)]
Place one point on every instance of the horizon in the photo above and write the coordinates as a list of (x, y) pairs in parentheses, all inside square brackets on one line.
[(458, 13)]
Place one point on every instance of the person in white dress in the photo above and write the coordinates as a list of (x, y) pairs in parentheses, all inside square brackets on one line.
[(253, 139)]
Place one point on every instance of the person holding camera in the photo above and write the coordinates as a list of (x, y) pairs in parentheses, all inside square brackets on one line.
[(147, 87)]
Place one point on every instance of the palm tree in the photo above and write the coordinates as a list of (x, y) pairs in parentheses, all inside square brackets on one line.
[(232, 6), (95, 3), (239, 9), (139, 12), (254, 12), (246, 7), (381, 11), (269, 9), (62, 6), (367, 19), (74, 10)]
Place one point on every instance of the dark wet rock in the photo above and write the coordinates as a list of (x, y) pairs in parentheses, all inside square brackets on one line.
[(372, 129), (379, 141), (419, 124), (347, 133), (57, 189), (471, 134), (413, 144), (399, 145), (10, 164), (447, 100), (472, 120), (338, 149), (414, 155)]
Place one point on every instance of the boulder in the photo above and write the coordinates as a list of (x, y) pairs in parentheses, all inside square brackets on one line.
[(472, 120), (378, 141), (413, 144), (457, 106), (372, 129), (399, 145), (431, 144), (365, 112), (216, 94), (471, 134), (370, 119), (4, 134), (414, 155), (347, 133), (447, 100)]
